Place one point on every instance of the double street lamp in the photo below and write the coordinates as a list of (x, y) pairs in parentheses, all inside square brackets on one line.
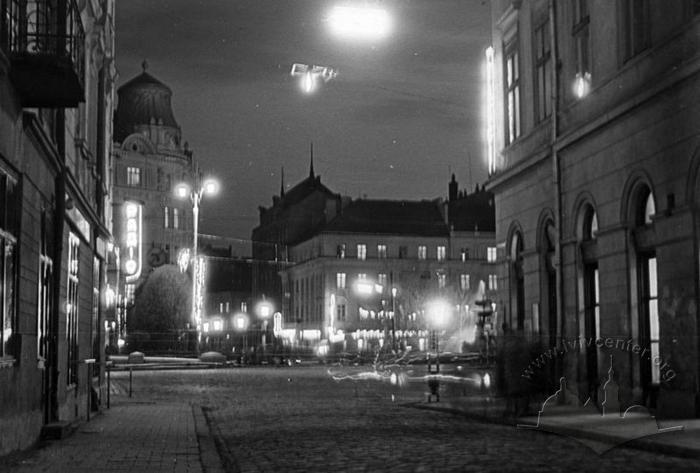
[(195, 193)]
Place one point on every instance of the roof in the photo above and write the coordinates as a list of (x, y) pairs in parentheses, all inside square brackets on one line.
[(144, 100), (473, 212), (302, 190), (392, 217)]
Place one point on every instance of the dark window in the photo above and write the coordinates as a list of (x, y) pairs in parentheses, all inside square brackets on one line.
[(581, 36), (403, 252), (635, 27), (543, 72)]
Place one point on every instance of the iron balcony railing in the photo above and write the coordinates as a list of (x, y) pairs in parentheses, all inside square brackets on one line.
[(50, 28)]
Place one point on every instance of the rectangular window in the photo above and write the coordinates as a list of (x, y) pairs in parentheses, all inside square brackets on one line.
[(696, 7), (9, 231), (95, 325), (381, 279), (441, 253), (381, 251), (580, 33), (543, 72), (422, 252), (464, 283), (340, 251), (244, 307), (44, 289), (340, 312), (465, 254), (72, 308), (133, 176), (340, 280), (493, 282), (442, 280), (491, 254), (403, 252), (361, 276), (176, 218), (512, 84), (166, 217), (361, 251), (650, 300), (635, 27)]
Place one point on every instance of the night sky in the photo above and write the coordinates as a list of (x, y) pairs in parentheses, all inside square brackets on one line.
[(402, 113)]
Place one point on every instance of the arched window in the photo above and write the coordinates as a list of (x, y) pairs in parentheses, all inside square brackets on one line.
[(549, 283), (589, 294), (518, 279), (644, 208)]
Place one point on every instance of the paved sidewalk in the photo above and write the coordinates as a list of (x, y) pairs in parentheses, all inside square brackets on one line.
[(681, 438), (133, 437)]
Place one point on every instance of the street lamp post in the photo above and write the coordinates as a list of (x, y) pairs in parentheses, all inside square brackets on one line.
[(182, 191), (439, 315)]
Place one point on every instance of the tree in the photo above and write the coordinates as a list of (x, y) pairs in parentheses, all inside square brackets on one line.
[(163, 303)]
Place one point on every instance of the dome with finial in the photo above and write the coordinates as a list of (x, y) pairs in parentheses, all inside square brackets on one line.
[(143, 101)]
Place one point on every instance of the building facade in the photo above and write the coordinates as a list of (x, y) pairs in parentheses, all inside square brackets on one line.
[(56, 100), (151, 225), (367, 279), (295, 216), (593, 159)]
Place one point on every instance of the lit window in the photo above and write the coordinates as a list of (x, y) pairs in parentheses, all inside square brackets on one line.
[(244, 307), (9, 231), (166, 217), (442, 280), (580, 33), (465, 254), (361, 251), (441, 253), (176, 218), (381, 279), (340, 251), (650, 300), (422, 252), (512, 83), (491, 254), (133, 176), (72, 299), (340, 280), (464, 282), (493, 282), (381, 251), (362, 276)]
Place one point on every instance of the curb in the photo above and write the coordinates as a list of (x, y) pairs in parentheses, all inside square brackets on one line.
[(208, 454), (637, 444)]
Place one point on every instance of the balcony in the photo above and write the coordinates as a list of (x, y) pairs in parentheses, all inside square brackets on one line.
[(44, 40)]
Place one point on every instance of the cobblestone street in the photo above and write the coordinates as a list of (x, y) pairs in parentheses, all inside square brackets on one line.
[(300, 419)]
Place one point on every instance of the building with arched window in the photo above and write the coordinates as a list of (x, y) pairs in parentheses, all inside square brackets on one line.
[(151, 225), (595, 177)]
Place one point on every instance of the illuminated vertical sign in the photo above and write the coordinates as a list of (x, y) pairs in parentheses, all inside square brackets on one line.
[(490, 112), (133, 241)]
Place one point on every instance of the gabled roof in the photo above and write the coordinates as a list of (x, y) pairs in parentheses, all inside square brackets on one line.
[(390, 217), (302, 190)]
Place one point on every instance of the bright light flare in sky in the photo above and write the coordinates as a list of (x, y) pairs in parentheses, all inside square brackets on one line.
[(360, 23)]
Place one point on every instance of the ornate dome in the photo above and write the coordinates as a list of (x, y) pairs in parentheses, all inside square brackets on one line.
[(143, 101)]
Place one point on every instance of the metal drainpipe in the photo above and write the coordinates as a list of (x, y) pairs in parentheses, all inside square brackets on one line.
[(58, 225), (556, 177)]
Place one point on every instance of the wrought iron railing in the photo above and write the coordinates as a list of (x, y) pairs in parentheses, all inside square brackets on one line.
[(43, 28)]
